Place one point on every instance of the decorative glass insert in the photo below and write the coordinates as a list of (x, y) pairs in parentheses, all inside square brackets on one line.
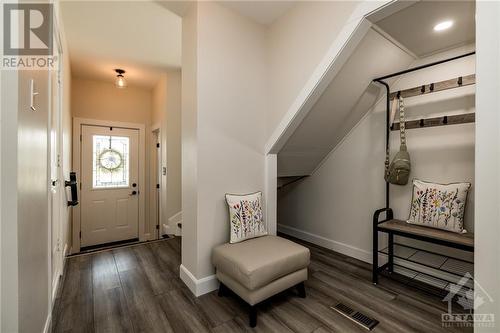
[(110, 161)]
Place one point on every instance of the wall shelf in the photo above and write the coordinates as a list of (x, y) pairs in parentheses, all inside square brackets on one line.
[(465, 118)]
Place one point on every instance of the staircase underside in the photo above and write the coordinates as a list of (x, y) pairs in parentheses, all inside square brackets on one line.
[(349, 96)]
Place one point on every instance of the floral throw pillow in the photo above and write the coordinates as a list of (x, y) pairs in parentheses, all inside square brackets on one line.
[(245, 216), (439, 206)]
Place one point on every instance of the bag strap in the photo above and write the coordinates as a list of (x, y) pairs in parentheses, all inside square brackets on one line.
[(402, 133), (402, 127)]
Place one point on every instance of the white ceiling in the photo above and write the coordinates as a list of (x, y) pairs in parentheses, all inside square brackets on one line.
[(143, 38), (263, 12), (413, 26), (344, 102)]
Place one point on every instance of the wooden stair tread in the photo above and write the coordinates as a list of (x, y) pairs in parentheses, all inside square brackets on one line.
[(466, 239)]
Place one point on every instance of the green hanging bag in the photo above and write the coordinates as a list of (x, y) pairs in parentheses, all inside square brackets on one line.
[(398, 171)]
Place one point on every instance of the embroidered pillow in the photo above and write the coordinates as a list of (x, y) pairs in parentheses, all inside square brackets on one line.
[(245, 216), (439, 206)]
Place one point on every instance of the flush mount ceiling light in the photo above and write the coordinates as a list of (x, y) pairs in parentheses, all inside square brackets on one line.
[(443, 25), (120, 80)]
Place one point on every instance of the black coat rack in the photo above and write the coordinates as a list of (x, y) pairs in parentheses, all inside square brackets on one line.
[(422, 90)]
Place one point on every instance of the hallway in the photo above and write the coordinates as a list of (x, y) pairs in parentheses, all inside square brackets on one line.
[(137, 289)]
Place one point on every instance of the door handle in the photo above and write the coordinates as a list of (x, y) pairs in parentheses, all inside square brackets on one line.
[(133, 193), (73, 185)]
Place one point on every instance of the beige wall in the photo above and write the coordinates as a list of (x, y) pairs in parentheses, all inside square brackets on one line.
[(103, 101)]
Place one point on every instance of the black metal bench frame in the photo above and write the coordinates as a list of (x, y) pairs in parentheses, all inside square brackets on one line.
[(389, 266)]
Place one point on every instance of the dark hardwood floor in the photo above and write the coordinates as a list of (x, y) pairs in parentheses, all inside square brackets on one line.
[(137, 289)]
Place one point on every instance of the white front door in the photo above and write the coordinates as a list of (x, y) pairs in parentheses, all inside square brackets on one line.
[(109, 185)]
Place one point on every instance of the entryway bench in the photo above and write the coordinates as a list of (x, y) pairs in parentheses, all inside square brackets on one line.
[(396, 227)]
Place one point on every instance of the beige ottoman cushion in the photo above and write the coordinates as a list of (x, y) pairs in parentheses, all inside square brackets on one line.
[(257, 262)]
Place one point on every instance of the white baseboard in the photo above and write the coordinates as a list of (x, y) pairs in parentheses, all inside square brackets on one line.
[(336, 246), (48, 322), (360, 254), (201, 286)]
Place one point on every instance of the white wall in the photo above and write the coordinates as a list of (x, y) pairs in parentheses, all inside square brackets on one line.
[(297, 42), (25, 225), (173, 155), (224, 112), (189, 121), (336, 203), (166, 114), (487, 246), (67, 143), (9, 252)]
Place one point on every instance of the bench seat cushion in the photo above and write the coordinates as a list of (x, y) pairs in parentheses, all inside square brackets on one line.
[(257, 262)]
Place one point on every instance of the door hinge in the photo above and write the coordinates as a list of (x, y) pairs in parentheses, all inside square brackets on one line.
[(157, 145), (80, 137), (80, 235), (157, 185), (157, 227)]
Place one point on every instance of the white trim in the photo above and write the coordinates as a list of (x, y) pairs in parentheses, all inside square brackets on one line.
[(48, 322), (343, 46), (155, 197), (171, 227), (336, 246), (143, 186), (201, 286), (360, 254), (271, 192)]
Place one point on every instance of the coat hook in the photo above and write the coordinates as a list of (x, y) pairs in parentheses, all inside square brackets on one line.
[(460, 82), (445, 120), (431, 87), (399, 94), (422, 90), (421, 123)]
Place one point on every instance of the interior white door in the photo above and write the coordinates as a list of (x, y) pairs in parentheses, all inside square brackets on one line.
[(57, 197), (109, 185)]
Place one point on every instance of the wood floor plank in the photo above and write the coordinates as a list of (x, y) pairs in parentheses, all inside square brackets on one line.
[(75, 305), (362, 295), (181, 313), (266, 323), (231, 326), (161, 278), (104, 272), (138, 289), (294, 318), (111, 312), (167, 255), (125, 259), (218, 310), (145, 311)]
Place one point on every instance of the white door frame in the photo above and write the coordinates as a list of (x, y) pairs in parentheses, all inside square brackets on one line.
[(155, 178), (77, 126)]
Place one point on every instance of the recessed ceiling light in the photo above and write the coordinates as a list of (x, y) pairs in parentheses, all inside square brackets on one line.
[(443, 25)]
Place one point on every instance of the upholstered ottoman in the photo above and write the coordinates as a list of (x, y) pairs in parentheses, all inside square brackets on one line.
[(259, 268)]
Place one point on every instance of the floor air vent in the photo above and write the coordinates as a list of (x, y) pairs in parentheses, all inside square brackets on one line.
[(356, 316)]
